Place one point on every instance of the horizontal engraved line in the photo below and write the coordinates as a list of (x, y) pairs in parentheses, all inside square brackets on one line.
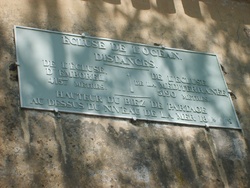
[(125, 67), (134, 96), (124, 54)]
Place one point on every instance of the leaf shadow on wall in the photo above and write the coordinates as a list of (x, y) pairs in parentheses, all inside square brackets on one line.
[(192, 8), (166, 7), (116, 2), (79, 165), (141, 4)]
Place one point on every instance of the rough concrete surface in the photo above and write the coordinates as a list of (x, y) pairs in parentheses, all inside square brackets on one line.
[(40, 149)]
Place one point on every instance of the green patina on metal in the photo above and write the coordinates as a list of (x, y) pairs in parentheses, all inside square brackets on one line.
[(89, 75)]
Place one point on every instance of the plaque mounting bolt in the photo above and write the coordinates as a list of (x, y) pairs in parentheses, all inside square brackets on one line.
[(207, 126), (231, 93), (57, 113), (84, 35), (160, 45)]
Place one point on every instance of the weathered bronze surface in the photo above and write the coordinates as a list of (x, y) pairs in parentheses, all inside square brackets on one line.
[(82, 74)]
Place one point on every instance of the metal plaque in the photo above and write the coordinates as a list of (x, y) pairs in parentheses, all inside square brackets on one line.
[(89, 75)]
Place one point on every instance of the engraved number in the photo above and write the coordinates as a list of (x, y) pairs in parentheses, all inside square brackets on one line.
[(58, 81)]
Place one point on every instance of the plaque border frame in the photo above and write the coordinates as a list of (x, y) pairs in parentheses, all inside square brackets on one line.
[(119, 116)]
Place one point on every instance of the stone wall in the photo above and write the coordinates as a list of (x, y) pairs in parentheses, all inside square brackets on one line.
[(40, 149)]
